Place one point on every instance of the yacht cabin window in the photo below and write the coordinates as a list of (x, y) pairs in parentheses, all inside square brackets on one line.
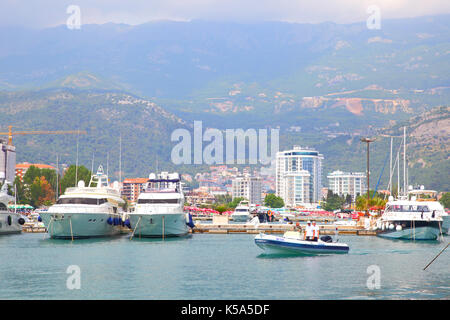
[(158, 201), (407, 208), (90, 201)]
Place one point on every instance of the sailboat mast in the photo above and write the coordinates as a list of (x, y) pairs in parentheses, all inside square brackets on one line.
[(404, 162), (107, 167), (57, 173), (390, 170), (120, 158), (76, 164)]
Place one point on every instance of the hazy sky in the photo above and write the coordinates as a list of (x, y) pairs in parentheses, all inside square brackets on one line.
[(43, 13)]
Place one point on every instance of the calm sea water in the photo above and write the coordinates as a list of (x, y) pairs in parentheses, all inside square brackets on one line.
[(209, 266)]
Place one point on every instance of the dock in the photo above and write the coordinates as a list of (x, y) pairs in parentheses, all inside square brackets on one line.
[(275, 228)]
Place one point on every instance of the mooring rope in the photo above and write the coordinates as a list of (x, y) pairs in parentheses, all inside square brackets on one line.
[(132, 235)]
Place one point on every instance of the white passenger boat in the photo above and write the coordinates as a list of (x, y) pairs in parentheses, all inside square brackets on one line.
[(411, 220), (159, 210), (84, 212), (242, 212), (10, 221), (292, 243)]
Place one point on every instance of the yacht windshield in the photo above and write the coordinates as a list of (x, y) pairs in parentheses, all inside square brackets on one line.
[(158, 201), (81, 201), (407, 208)]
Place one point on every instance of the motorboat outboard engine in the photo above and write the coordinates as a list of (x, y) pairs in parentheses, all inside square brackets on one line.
[(326, 239)]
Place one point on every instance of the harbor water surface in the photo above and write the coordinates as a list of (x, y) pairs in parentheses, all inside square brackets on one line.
[(214, 266)]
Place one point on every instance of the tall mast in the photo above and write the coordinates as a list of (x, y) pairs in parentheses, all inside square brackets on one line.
[(120, 158), (57, 173), (76, 164), (405, 190), (92, 165), (390, 170), (398, 173), (107, 167)]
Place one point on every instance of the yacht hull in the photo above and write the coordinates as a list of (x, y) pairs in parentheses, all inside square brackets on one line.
[(158, 225), (445, 224), (420, 233), (79, 225), (6, 227)]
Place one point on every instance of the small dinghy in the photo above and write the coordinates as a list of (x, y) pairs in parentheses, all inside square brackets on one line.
[(292, 243)]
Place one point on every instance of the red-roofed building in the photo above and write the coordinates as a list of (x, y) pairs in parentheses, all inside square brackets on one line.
[(132, 188), (21, 168)]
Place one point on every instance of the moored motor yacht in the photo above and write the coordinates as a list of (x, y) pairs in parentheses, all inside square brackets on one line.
[(84, 212), (159, 211), (242, 212), (10, 220)]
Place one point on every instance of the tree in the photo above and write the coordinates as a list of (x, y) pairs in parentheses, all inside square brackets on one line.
[(445, 200), (272, 201), (41, 192), (31, 175), (68, 180), (233, 204), (377, 201), (333, 201), (221, 208)]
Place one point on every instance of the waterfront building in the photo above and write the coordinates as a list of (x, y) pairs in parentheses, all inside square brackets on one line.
[(132, 188), (22, 168), (247, 187), (7, 161), (296, 190), (290, 171), (347, 183)]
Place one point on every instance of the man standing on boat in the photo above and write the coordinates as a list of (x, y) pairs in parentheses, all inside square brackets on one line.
[(309, 232), (315, 229)]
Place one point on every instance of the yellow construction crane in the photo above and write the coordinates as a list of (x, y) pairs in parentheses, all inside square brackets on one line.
[(10, 133)]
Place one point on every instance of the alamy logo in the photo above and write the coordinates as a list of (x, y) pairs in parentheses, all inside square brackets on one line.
[(74, 280), (235, 140), (374, 280), (74, 20), (374, 20)]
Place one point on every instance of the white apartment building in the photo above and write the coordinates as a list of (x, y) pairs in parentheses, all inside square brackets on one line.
[(295, 165), (344, 183), (248, 188)]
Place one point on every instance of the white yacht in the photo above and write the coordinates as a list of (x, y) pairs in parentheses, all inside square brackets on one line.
[(84, 212), (242, 212), (430, 198), (159, 211), (10, 221), (410, 220)]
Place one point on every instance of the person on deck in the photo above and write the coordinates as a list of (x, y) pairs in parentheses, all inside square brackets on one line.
[(308, 235), (315, 229)]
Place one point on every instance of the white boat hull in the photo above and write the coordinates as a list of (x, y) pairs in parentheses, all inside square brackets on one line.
[(79, 225), (280, 245), (5, 227), (158, 225), (421, 233)]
